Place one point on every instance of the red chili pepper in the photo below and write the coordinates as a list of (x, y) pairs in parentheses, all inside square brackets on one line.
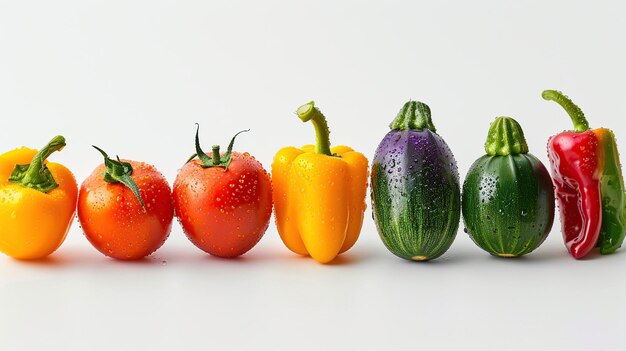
[(575, 172), (589, 184)]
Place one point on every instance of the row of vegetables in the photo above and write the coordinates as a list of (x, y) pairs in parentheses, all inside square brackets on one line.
[(224, 201)]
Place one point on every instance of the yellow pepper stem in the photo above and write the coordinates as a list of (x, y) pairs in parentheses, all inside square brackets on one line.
[(308, 112), (36, 175)]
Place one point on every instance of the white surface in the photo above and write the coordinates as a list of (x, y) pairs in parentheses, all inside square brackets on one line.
[(133, 77)]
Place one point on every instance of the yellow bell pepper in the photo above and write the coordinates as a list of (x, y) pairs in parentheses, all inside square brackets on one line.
[(319, 193), (37, 202)]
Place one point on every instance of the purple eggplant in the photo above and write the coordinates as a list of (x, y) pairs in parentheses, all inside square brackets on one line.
[(416, 197)]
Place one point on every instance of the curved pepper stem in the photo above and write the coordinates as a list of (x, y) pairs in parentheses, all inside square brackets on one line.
[(574, 112), (36, 175), (413, 115), (505, 137), (308, 112), (119, 172)]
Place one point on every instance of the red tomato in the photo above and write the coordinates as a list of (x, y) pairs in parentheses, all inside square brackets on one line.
[(113, 219), (224, 212)]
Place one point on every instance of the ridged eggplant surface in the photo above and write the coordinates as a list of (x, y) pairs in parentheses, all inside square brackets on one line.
[(415, 194)]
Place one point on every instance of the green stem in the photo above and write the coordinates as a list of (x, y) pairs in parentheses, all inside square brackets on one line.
[(308, 112), (574, 112), (36, 175), (216, 160), (216, 154), (414, 115), (505, 137), (118, 171)]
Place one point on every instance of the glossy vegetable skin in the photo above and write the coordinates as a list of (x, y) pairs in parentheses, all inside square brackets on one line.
[(590, 187), (319, 193), (508, 198), (415, 187), (223, 201), (125, 209), (37, 201)]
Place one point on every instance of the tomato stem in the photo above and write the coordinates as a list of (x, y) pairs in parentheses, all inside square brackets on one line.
[(118, 171), (216, 160), (216, 154), (36, 175)]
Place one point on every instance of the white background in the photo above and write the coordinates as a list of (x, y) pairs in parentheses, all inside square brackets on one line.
[(133, 77)]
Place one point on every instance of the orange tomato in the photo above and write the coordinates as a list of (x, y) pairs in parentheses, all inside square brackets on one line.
[(115, 222)]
